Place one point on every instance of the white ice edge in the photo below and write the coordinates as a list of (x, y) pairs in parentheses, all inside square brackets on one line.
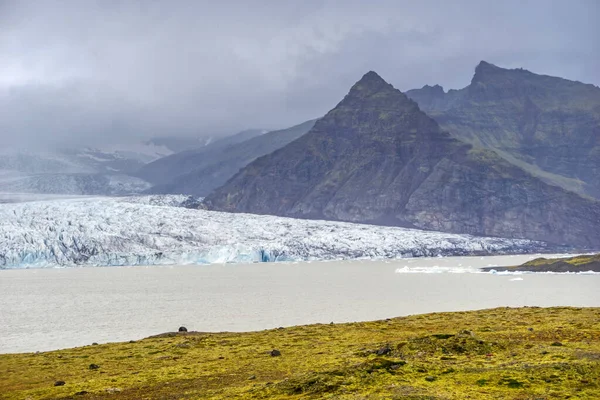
[(461, 270)]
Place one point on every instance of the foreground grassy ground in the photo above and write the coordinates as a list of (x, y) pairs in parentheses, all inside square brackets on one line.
[(525, 353)]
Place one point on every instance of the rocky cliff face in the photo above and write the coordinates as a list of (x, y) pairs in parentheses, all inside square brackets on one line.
[(377, 158), (548, 126)]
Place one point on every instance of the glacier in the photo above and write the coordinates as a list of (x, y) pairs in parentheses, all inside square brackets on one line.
[(162, 230)]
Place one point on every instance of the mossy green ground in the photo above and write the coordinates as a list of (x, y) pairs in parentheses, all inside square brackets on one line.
[(578, 260), (582, 263), (503, 353)]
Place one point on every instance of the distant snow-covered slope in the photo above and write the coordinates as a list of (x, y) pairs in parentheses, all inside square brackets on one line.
[(109, 169), (74, 184), (85, 171), (109, 159), (160, 230)]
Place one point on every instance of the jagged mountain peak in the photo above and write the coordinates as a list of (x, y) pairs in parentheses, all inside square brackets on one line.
[(369, 84), (372, 76), (372, 99), (484, 65), (485, 71), (433, 90), (373, 92), (545, 124)]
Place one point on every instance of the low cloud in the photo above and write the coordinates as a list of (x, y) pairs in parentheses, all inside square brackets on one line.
[(95, 71)]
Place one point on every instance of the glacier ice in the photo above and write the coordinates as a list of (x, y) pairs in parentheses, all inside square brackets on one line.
[(149, 230)]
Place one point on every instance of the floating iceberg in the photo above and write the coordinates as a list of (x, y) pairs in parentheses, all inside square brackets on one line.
[(150, 230)]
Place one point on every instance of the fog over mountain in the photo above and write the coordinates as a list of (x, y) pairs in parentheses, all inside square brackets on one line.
[(92, 72)]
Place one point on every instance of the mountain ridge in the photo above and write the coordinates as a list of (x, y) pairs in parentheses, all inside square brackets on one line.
[(199, 172), (377, 158), (547, 125)]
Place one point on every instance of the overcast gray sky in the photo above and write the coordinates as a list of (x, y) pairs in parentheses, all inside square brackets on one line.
[(107, 70)]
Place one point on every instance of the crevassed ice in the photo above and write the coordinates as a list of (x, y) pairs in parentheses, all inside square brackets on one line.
[(151, 230)]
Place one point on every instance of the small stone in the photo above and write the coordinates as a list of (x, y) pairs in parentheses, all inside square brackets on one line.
[(430, 378), (252, 377), (221, 358), (59, 383), (557, 344), (530, 329), (94, 344), (384, 350), (132, 341), (94, 366), (275, 353), (182, 329), (81, 393)]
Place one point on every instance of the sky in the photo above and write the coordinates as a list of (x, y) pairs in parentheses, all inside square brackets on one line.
[(94, 72)]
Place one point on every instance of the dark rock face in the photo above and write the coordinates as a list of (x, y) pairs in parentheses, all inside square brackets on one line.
[(59, 383), (376, 158), (182, 329), (548, 126)]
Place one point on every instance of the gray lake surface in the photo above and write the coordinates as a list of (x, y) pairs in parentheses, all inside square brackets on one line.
[(47, 309)]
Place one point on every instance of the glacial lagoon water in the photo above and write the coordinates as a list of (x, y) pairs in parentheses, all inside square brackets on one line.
[(46, 309)]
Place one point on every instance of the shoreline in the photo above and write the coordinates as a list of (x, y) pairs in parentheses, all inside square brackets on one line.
[(550, 254), (60, 308)]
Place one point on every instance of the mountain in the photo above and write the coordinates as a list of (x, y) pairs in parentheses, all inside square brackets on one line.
[(377, 158), (177, 144), (546, 125), (200, 171), (165, 169)]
